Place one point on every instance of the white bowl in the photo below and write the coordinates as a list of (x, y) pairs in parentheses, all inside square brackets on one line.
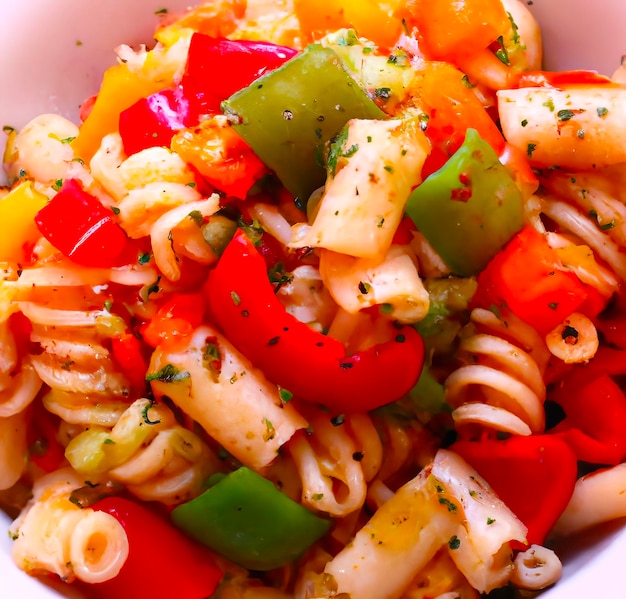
[(53, 54)]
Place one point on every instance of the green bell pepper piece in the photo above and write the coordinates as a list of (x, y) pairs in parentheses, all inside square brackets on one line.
[(468, 209), (244, 518), (288, 115)]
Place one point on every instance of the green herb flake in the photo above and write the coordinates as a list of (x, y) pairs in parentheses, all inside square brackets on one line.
[(364, 288), (338, 420), (168, 374), (115, 210), (602, 111), (388, 168), (191, 184), (235, 297), (553, 305), (196, 217), (67, 365), (8, 129), (108, 305), (607, 226), (154, 288), (501, 53), (383, 92), (466, 82), (317, 496), (386, 308), (109, 441), (161, 11), (454, 542), (270, 431), (452, 507), (285, 395), (279, 276), (530, 148), (146, 418), (337, 151), (524, 122), (515, 38), (565, 115), (143, 258), (212, 357), (490, 521), (57, 184), (67, 140)]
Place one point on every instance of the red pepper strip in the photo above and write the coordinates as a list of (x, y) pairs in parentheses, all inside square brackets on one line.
[(162, 561), (312, 366), (217, 68), (404, 232), (129, 354), (81, 228), (595, 419), (558, 78), (152, 121), (527, 276), (176, 319), (44, 448), (534, 476)]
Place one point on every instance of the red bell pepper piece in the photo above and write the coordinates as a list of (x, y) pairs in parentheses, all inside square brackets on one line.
[(175, 320), (45, 450), (162, 561), (312, 366), (534, 476), (217, 68), (528, 278), (559, 78), (595, 417), (81, 228), (130, 355), (152, 121)]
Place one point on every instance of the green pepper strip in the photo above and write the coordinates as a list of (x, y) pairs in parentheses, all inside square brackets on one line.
[(470, 208), (244, 518), (288, 115)]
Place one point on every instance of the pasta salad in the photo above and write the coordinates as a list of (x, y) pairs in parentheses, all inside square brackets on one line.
[(316, 301)]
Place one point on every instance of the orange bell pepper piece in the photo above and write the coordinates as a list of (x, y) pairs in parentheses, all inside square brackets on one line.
[(17, 217), (120, 89), (221, 156), (452, 107), (460, 28), (368, 17)]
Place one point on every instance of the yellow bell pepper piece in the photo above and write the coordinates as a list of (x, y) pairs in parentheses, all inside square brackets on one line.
[(18, 230), (121, 88)]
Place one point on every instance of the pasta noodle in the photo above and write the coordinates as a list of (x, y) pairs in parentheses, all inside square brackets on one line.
[(205, 393), (385, 184), (54, 535), (156, 459), (511, 390)]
